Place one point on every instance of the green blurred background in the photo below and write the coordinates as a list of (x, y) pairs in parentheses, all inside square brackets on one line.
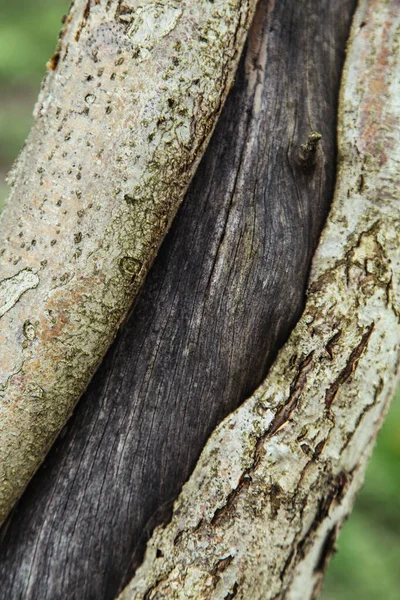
[(368, 561)]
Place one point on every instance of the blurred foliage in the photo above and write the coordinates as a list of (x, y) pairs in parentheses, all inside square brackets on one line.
[(368, 558), (368, 561), (28, 37)]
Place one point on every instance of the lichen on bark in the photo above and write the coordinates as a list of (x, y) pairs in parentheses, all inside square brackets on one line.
[(127, 108), (260, 515)]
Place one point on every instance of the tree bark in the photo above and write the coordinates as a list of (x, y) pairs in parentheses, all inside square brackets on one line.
[(261, 512), (121, 123), (225, 292)]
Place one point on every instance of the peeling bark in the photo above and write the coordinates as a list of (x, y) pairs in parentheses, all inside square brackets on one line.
[(261, 512), (131, 98)]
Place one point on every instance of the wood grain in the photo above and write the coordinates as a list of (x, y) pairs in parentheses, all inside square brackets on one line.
[(260, 514), (222, 297)]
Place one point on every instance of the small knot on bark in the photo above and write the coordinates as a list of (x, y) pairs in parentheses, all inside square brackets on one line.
[(308, 150)]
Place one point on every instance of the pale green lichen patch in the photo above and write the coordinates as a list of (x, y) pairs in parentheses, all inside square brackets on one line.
[(12, 288), (152, 22)]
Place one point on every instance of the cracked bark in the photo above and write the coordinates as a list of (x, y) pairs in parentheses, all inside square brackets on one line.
[(122, 120), (225, 292), (279, 476), (285, 461)]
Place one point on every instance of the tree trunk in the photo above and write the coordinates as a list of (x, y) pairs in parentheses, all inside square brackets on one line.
[(222, 297), (259, 516), (121, 123)]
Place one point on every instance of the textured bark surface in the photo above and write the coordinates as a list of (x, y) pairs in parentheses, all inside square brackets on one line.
[(130, 101), (260, 515), (223, 295)]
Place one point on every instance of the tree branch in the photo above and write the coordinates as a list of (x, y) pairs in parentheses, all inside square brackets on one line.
[(224, 293), (260, 515), (122, 120)]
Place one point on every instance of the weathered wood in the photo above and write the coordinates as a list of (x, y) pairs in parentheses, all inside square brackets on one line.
[(223, 295), (259, 517), (122, 120)]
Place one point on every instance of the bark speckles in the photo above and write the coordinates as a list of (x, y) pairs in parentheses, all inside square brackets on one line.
[(118, 117), (291, 460)]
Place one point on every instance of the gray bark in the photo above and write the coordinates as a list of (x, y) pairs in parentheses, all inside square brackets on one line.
[(122, 120), (222, 297)]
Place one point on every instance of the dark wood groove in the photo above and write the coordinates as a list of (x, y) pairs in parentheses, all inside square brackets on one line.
[(221, 299)]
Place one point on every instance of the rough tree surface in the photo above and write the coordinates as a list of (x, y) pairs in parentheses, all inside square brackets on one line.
[(224, 293), (131, 98), (260, 515)]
